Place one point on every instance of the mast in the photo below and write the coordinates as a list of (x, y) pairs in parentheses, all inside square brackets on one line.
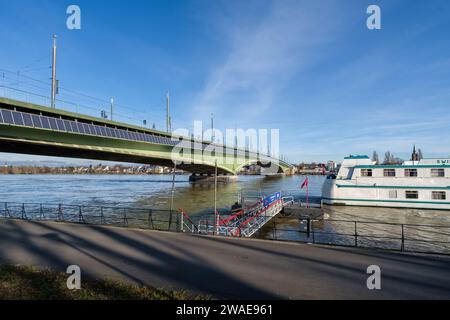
[(53, 102)]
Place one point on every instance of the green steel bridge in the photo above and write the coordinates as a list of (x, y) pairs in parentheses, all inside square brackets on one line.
[(27, 128)]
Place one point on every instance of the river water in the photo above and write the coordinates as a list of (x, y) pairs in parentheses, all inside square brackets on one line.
[(154, 191)]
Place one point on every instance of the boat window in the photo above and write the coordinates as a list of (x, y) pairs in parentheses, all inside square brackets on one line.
[(438, 195), (412, 194), (410, 172), (437, 173), (366, 172), (392, 194), (389, 172)]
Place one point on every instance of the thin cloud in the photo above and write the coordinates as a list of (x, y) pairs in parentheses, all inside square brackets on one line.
[(262, 58)]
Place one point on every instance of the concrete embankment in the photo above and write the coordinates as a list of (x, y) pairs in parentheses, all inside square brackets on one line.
[(230, 268)]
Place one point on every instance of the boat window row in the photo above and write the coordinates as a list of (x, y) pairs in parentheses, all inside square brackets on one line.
[(414, 194), (435, 173), (44, 122)]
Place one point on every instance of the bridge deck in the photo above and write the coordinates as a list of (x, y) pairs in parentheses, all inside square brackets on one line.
[(31, 129)]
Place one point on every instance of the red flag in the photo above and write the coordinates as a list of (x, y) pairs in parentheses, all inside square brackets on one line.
[(305, 183)]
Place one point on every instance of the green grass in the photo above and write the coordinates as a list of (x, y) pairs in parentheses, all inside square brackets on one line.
[(29, 283)]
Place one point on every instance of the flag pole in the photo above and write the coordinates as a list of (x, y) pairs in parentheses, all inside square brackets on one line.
[(307, 194)]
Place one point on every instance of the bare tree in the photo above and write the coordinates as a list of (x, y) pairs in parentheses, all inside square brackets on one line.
[(375, 157), (420, 155)]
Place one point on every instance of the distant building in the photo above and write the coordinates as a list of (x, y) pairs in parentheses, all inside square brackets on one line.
[(331, 166)]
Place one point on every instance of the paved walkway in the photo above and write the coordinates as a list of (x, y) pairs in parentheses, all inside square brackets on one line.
[(230, 268)]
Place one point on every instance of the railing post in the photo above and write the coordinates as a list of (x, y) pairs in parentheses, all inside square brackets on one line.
[(80, 215), (125, 219), (182, 221), (308, 227), (274, 230), (41, 211), (102, 216), (24, 214), (403, 239), (356, 234), (150, 219), (60, 213)]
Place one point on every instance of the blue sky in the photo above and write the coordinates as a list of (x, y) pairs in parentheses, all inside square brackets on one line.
[(309, 68)]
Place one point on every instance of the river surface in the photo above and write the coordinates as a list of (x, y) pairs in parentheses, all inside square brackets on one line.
[(154, 191)]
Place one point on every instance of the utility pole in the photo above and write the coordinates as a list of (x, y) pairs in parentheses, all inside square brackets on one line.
[(53, 102), (168, 122), (112, 108), (216, 226), (172, 193)]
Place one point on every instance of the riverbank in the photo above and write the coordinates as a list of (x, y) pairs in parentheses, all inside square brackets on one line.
[(222, 267)]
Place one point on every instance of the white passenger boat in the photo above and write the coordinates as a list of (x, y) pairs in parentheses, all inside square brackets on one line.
[(414, 184)]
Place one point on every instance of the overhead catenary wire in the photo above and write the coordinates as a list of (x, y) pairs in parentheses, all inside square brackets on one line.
[(122, 110)]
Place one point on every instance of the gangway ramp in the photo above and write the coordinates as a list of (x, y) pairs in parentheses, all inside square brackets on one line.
[(244, 223)]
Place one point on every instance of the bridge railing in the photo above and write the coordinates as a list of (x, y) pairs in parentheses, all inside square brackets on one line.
[(146, 218), (86, 128)]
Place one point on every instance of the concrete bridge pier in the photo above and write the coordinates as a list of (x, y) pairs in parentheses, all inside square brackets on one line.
[(209, 178)]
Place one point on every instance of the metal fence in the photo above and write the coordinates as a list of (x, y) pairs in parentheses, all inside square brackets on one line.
[(419, 238), (362, 234), (146, 218)]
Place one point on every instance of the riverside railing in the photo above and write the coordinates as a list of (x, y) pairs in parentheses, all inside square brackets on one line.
[(419, 238), (145, 218), (404, 237)]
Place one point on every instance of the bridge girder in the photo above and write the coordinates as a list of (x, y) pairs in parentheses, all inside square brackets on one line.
[(47, 142)]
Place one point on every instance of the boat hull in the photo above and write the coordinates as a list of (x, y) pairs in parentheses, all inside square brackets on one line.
[(336, 193)]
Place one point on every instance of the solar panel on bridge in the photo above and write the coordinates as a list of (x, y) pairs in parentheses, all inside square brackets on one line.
[(17, 118), (7, 116), (45, 122), (53, 124), (83, 128), (27, 120), (32, 120), (109, 132), (59, 123), (96, 130), (36, 121), (67, 125), (87, 128), (74, 126)]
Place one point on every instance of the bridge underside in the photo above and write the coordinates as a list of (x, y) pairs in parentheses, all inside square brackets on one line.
[(35, 148)]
